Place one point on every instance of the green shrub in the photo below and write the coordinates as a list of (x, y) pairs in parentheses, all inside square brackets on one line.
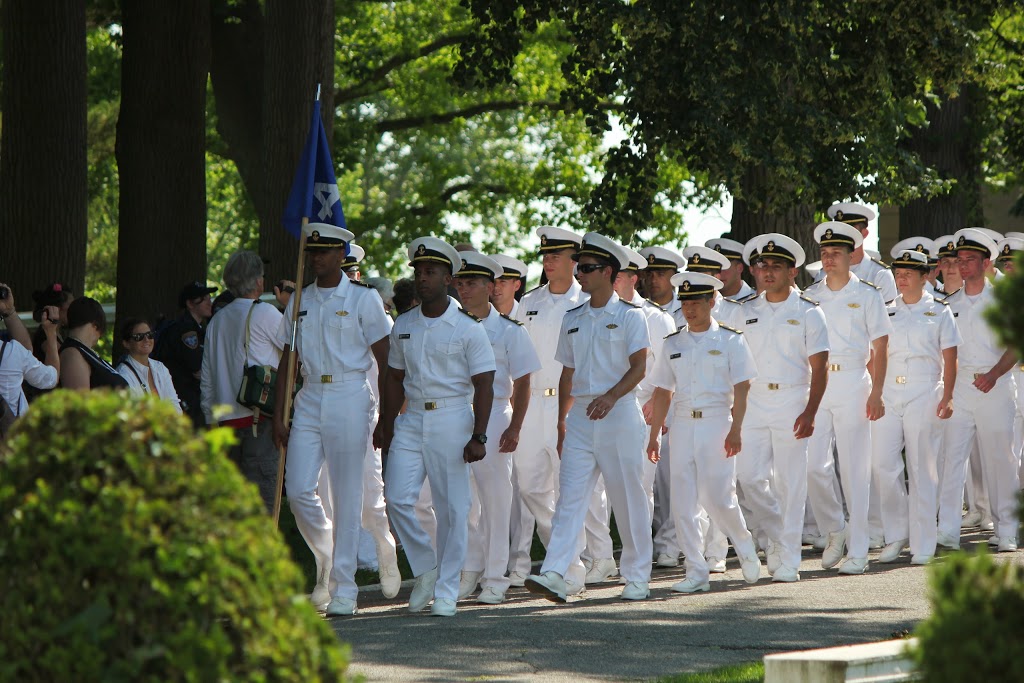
[(133, 550), (976, 629), (1007, 315)]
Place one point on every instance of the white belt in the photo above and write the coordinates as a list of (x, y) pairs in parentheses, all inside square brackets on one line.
[(435, 403), (777, 386), (910, 379), (335, 378), (544, 392)]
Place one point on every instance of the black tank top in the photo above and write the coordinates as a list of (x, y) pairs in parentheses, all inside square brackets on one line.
[(101, 374)]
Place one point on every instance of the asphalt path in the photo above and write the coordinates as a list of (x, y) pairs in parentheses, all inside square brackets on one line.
[(602, 638)]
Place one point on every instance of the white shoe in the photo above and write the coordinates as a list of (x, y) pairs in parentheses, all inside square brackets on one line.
[(994, 540), (573, 588), (970, 519), (601, 571), (321, 596), (921, 559), (387, 570), (987, 525), (1007, 544), (751, 567), (636, 590), (341, 607), (821, 542), (876, 543), (773, 557), (443, 607), (834, 550), (948, 542), (716, 565), (691, 586), (549, 585), (468, 583), (891, 552), (423, 590), (666, 560), (785, 574), (854, 565), (517, 579), (490, 596)]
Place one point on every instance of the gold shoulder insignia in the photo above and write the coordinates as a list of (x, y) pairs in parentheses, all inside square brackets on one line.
[(470, 314), (871, 284), (748, 297), (629, 303), (731, 329), (810, 301), (881, 263), (950, 294), (676, 332), (511, 320), (577, 308), (361, 284)]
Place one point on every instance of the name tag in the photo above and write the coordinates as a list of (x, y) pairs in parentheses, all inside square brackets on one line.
[(531, 313), (751, 321), (675, 355), (575, 329), (302, 313), (892, 313), (405, 336)]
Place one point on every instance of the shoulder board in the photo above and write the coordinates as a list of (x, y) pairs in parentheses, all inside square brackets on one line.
[(577, 308), (408, 310), (630, 303), (532, 290), (942, 301), (951, 294), (675, 333), (748, 297), (871, 284), (732, 301), (881, 263), (465, 312), (810, 301), (511, 320), (361, 284), (815, 284), (731, 329)]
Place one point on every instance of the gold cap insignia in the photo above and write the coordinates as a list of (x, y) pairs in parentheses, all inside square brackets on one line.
[(543, 239), (1006, 248), (464, 264), (718, 248), (829, 233), (315, 236), (950, 245), (686, 285), (421, 250), (906, 256), (920, 248), (839, 215), (961, 240), (770, 246), (695, 259), (650, 258)]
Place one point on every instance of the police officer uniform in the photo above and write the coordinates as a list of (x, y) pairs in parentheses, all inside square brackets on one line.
[(772, 469), (870, 268), (596, 344), (536, 461), (488, 550), (912, 393), (984, 419), (180, 348), (439, 357), (700, 371), (333, 414), (856, 317), (733, 250)]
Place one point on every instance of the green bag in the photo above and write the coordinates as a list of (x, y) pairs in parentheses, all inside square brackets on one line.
[(259, 381)]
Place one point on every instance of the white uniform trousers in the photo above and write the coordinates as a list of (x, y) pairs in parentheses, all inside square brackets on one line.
[(521, 531), (491, 508), (331, 425), (909, 424), (988, 420), (597, 526), (1018, 419), (611, 447), (702, 477), (428, 444), (665, 542), (536, 461), (772, 467), (842, 415), (976, 494)]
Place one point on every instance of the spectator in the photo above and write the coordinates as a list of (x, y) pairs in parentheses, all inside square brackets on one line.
[(80, 366), (180, 346), (18, 365), (404, 296), (143, 374), (54, 295), (9, 315), (225, 358), (384, 288)]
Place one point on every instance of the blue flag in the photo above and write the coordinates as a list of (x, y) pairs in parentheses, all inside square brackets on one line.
[(314, 193)]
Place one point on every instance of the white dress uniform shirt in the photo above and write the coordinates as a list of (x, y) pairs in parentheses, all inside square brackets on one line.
[(355, 318), (138, 382), (19, 365), (514, 354), (877, 274), (673, 308), (659, 326), (856, 316), (920, 333), (541, 313), (620, 330), (783, 336), (515, 310), (981, 348), (224, 357)]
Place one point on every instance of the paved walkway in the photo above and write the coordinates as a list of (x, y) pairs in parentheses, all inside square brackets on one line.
[(601, 638)]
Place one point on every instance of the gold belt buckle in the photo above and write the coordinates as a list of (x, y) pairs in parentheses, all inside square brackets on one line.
[(772, 386), (551, 392), (326, 379), (835, 367), (696, 414), (430, 405), (901, 379)]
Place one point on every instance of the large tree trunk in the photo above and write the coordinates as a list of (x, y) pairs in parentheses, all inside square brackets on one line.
[(299, 54), (43, 191), (949, 144), (161, 146)]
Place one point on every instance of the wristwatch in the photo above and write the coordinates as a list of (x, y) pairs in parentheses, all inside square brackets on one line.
[(482, 438)]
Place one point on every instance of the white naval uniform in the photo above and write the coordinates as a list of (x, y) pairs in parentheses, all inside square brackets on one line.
[(702, 369), (440, 356), (912, 390), (982, 419), (772, 469), (855, 316), (535, 463), (490, 514), (333, 418), (1018, 419), (665, 542), (597, 343), (874, 272)]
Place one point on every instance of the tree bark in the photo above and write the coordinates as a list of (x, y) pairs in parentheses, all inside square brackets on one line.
[(948, 144), (299, 52), (43, 166), (161, 142)]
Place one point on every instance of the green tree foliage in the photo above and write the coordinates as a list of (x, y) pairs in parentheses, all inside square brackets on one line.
[(134, 550), (785, 103)]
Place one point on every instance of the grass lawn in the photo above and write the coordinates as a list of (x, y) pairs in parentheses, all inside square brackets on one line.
[(737, 673)]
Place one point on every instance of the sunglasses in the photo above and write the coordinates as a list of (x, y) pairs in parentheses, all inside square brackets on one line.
[(139, 336), (590, 267)]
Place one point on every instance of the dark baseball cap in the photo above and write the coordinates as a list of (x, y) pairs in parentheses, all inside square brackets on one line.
[(193, 290)]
